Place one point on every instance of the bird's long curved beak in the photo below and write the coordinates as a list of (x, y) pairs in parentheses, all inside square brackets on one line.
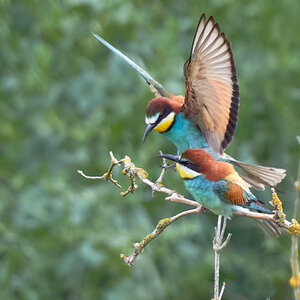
[(148, 130), (170, 157)]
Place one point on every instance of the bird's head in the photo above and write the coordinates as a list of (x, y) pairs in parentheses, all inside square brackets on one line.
[(160, 115), (191, 163)]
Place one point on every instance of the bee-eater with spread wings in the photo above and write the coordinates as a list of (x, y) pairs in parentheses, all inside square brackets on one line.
[(206, 117)]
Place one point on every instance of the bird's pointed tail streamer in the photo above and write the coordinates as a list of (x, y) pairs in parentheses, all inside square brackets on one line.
[(159, 89)]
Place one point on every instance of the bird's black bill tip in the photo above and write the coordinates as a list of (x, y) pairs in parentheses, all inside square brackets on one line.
[(147, 131), (169, 156)]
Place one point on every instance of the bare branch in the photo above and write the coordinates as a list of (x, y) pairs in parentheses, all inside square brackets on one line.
[(163, 170), (180, 199), (218, 246), (131, 171), (222, 291), (295, 279), (160, 227), (107, 175)]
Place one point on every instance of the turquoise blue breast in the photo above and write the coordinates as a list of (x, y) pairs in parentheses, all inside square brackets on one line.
[(185, 135), (202, 191)]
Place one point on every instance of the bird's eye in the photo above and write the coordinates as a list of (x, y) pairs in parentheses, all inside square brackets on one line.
[(186, 162), (152, 119)]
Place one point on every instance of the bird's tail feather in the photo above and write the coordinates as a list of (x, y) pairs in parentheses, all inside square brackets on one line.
[(258, 176), (270, 227), (158, 88)]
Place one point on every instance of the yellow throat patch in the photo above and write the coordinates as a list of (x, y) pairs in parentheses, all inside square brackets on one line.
[(165, 123), (186, 173)]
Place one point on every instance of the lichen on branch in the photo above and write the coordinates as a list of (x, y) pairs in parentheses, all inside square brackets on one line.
[(133, 172)]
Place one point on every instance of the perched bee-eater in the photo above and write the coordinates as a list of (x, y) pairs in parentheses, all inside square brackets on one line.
[(217, 186), (207, 116)]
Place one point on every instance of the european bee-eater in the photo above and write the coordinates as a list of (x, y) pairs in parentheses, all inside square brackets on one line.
[(217, 186), (207, 116)]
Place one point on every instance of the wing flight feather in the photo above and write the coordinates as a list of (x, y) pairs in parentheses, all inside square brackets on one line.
[(212, 92)]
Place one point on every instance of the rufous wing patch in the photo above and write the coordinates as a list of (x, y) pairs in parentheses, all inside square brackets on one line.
[(235, 194)]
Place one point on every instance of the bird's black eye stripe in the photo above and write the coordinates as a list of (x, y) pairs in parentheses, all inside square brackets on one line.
[(191, 166), (163, 114)]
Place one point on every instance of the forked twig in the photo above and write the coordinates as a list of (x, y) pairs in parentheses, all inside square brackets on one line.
[(295, 278), (107, 175), (160, 227), (131, 171), (218, 246)]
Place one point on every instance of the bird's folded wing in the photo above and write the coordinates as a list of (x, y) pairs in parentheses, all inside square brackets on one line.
[(230, 192), (212, 92)]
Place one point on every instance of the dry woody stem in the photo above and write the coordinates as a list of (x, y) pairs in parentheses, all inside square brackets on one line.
[(218, 246), (295, 279), (133, 172)]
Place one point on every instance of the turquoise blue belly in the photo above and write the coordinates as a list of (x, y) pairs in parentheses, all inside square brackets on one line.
[(202, 191)]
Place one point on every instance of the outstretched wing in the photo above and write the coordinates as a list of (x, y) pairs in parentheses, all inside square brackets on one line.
[(154, 85), (212, 92)]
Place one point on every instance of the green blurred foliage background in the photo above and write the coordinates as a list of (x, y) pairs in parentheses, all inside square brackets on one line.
[(66, 101)]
